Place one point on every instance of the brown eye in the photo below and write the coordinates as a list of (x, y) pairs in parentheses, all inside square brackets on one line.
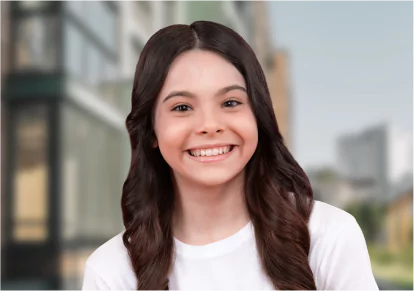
[(181, 108), (231, 103)]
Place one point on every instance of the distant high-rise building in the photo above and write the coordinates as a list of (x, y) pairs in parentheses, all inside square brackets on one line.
[(329, 188), (380, 154)]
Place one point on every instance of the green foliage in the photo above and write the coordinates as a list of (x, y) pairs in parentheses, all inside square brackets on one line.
[(396, 268), (406, 256), (370, 217), (327, 175), (381, 256)]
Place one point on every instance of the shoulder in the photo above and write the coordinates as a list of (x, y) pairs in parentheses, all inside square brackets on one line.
[(326, 219), (331, 228), (338, 253), (110, 265)]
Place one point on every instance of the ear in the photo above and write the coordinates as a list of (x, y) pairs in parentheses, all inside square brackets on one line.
[(155, 143)]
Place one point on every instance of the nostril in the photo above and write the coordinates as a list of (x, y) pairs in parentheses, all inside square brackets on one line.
[(207, 132)]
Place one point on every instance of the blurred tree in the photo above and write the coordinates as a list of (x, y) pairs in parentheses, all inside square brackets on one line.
[(327, 175), (370, 216)]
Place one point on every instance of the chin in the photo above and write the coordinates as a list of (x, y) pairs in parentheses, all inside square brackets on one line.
[(214, 178)]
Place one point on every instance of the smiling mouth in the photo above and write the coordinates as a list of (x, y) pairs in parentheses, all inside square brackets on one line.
[(210, 152)]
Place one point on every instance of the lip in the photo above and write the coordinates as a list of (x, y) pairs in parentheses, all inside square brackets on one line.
[(212, 159), (209, 146)]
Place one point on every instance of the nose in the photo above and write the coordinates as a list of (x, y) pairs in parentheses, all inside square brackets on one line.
[(209, 124)]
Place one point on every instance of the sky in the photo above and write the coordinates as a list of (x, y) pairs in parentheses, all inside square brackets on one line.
[(350, 66)]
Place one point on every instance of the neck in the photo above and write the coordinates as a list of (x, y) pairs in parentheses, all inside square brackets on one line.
[(204, 215)]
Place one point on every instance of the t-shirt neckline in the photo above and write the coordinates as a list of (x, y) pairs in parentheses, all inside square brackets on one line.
[(217, 248)]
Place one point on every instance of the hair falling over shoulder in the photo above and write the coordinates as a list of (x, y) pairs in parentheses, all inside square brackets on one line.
[(279, 206)]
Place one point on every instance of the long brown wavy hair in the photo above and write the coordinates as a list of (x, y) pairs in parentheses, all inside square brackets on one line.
[(278, 193)]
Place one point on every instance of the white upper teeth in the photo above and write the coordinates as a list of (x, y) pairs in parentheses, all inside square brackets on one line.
[(210, 152)]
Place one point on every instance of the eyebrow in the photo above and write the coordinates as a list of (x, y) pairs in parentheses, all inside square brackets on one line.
[(192, 95)]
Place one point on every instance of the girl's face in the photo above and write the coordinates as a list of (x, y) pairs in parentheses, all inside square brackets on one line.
[(205, 128)]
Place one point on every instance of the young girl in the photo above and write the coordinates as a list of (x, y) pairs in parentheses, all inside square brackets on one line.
[(213, 198)]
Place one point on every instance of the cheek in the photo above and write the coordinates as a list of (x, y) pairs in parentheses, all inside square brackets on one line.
[(171, 135), (246, 127)]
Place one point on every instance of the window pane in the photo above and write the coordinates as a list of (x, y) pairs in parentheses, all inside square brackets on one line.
[(109, 34), (170, 11), (31, 177), (108, 84), (36, 43), (33, 5), (102, 22), (76, 8), (145, 6), (73, 59), (94, 65), (72, 267), (92, 177), (143, 12), (70, 198), (92, 20), (28, 232)]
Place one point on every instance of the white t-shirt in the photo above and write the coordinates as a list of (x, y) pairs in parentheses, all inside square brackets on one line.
[(338, 258)]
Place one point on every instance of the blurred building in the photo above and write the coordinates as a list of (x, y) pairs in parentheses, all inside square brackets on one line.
[(278, 82), (64, 138), (399, 221), (140, 19), (240, 16), (237, 15), (261, 36), (329, 187), (378, 158), (5, 50), (275, 66), (67, 91)]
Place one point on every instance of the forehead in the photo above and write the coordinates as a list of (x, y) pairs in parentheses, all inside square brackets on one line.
[(201, 71)]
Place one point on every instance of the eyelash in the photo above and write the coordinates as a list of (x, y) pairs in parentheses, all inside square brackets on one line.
[(234, 102), (180, 106)]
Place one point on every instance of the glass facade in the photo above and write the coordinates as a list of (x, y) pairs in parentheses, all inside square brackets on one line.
[(98, 17), (74, 56), (92, 153), (33, 5), (76, 8), (31, 174), (91, 47), (170, 12), (143, 11), (92, 160), (36, 43), (68, 217)]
